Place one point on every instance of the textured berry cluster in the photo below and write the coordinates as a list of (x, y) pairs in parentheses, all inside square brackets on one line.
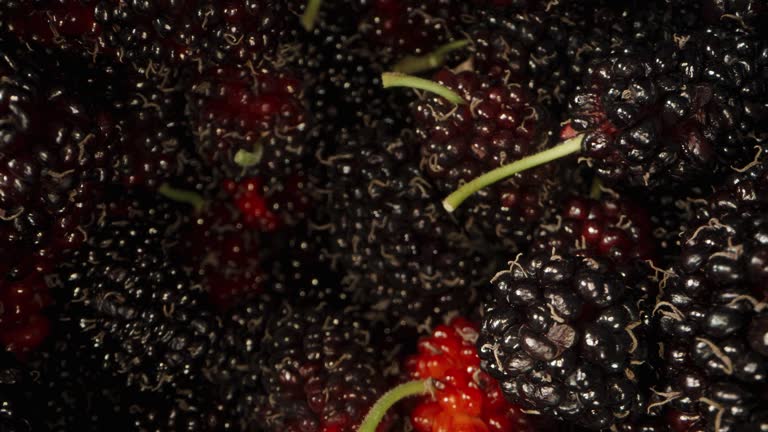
[(673, 110), (566, 336), (220, 215), (712, 313), (410, 259), (157, 32), (615, 228), (498, 124)]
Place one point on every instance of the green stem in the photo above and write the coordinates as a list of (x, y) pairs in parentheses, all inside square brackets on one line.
[(246, 159), (380, 408), (310, 14), (570, 146), (192, 198), (418, 64), (394, 79), (596, 189)]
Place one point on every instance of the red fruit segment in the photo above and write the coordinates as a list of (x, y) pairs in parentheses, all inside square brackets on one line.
[(466, 398), (613, 227), (23, 326), (270, 207)]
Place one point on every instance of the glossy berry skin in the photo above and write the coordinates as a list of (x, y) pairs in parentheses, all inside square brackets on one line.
[(499, 124), (260, 111), (157, 32), (320, 369), (466, 399), (566, 337), (712, 313), (611, 227), (745, 13), (673, 110), (398, 250), (57, 152)]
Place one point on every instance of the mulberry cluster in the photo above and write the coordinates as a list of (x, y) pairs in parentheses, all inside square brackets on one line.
[(249, 121), (157, 32), (397, 248), (566, 336), (499, 123), (676, 110), (321, 369), (137, 303), (712, 312)]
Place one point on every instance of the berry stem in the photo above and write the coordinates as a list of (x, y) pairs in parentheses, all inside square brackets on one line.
[(388, 399), (597, 188), (246, 159), (310, 14), (395, 79), (567, 147), (417, 64), (180, 195)]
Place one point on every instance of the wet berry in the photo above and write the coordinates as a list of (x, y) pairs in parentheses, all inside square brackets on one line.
[(566, 336), (673, 110), (611, 227)]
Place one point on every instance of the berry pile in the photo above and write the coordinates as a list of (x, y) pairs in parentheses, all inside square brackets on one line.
[(384, 215)]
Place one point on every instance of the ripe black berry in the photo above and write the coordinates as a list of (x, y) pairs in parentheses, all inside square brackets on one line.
[(674, 110), (566, 336), (712, 312)]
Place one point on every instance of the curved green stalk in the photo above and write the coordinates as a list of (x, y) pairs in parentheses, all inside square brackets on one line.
[(180, 195), (418, 64), (597, 188), (570, 146), (310, 14), (246, 159), (380, 408), (394, 79)]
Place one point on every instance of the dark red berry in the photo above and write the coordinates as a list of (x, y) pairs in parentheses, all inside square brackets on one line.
[(610, 227), (250, 122), (499, 124)]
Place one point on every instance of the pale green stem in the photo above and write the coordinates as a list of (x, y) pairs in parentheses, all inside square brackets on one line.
[(310, 14), (246, 159), (597, 188), (566, 148), (417, 64), (180, 195), (394, 79), (380, 408)]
